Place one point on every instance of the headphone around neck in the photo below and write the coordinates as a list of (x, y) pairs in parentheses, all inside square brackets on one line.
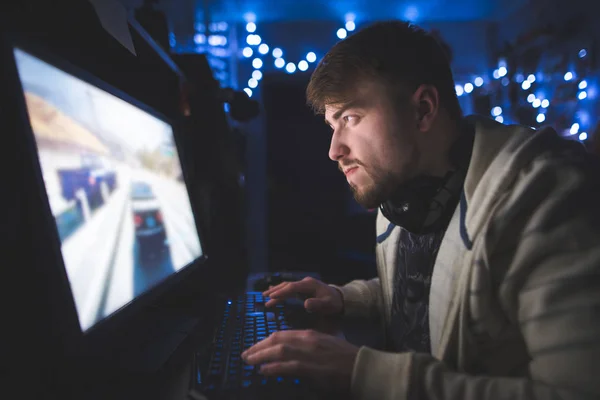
[(422, 204)]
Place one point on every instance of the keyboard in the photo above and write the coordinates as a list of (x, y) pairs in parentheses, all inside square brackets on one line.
[(247, 321)]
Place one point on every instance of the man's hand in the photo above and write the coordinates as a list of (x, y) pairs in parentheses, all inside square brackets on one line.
[(325, 359), (323, 298)]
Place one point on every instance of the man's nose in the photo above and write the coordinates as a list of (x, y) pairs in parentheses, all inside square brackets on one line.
[(337, 149)]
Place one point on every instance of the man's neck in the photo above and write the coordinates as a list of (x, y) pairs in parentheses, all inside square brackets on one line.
[(437, 161)]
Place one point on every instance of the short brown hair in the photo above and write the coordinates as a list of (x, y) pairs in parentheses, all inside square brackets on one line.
[(396, 53)]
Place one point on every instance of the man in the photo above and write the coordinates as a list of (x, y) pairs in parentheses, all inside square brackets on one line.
[(488, 260)]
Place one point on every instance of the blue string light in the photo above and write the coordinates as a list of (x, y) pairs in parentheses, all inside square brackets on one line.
[(279, 62), (290, 68), (537, 101), (262, 49)]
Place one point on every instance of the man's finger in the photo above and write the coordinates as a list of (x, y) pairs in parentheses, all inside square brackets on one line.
[(277, 353), (274, 288), (281, 288), (273, 302), (281, 337), (263, 344), (294, 288)]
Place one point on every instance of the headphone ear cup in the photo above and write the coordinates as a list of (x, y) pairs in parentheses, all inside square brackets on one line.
[(416, 201), (408, 213), (385, 210)]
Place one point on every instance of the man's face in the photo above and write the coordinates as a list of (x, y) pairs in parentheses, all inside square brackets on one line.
[(374, 144)]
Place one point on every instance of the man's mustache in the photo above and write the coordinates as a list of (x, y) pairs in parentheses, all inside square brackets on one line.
[(342, 166)]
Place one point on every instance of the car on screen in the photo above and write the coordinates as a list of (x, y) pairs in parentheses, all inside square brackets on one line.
[(95, 176), (148, 220)]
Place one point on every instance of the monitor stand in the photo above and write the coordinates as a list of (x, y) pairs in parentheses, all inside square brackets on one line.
[(149, 344), (161, 343)]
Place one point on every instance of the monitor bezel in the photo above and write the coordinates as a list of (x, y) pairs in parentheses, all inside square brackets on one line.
[(96, 332)]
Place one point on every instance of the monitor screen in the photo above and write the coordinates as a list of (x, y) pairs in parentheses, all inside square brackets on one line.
[(115, 186)]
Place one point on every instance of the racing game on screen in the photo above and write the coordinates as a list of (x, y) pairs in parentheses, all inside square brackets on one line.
[(115, 187)]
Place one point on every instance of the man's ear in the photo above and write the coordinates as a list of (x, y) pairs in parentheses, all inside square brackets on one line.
[(426, 101)]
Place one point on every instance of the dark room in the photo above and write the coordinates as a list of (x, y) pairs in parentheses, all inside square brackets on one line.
[(300, 199)]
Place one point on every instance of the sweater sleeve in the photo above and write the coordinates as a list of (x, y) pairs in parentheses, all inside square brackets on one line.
[(362, 298), (545, 238)]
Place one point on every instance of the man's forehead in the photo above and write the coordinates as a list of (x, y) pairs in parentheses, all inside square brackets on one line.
[(359, 95), (331, 109), (334, 111)]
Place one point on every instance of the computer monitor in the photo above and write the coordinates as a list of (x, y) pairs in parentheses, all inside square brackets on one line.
[(115, 186)]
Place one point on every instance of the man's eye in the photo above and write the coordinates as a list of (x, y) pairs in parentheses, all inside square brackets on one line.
[(350, 118)]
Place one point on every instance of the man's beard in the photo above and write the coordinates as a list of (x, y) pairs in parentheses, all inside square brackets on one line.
[(369, 197), (375, 193)]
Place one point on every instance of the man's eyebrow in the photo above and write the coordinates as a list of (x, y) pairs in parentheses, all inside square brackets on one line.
[(353, 104)]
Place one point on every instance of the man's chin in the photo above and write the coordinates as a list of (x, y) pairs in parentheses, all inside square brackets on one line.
[(367, 199)]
